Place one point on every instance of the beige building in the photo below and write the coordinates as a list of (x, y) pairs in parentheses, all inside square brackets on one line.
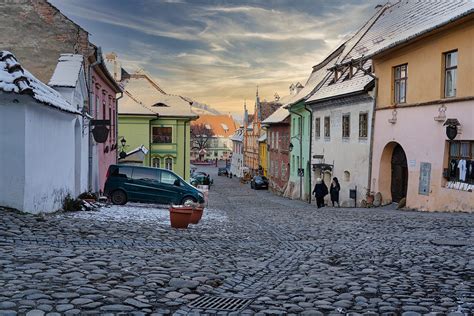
[(423, 59)]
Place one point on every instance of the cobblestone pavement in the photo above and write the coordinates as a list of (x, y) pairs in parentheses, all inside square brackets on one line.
[(286, 256)]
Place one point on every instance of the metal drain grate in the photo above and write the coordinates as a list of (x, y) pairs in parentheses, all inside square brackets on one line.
[(231, 304)]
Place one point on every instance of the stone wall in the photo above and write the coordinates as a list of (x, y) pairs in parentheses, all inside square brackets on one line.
[(37, 33)]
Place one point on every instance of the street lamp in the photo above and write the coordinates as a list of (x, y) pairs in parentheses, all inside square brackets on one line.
[(123, 154)]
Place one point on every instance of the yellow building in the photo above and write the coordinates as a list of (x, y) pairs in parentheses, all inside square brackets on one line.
[(423, 147), (253, 131)]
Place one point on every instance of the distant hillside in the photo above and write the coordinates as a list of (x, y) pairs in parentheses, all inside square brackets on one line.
[(203, 109)]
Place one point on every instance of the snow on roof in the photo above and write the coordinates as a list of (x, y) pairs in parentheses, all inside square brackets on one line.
[(238, 135), (278, 116), (15, 79), (344, 85), (142, 96), (320, 72), (67, 71), (262, 138), (408, 19)]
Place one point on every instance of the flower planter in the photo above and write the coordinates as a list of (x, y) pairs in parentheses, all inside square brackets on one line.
[(180, 216), (370, 199), (197, 214)]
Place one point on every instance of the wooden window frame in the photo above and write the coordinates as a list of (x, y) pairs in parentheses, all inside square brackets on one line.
[(327, 129), (446, 69), (167, 140), (396, 92), (348, 134), (317, 127), (366, 130)]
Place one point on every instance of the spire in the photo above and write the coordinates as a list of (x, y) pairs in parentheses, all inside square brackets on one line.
[(246, 115), (257, 111)]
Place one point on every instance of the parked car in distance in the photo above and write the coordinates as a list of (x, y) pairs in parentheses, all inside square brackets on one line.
[(201, 179), (259, 182), (150, 185), (223, 172)]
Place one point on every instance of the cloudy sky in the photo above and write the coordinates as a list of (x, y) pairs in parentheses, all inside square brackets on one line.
[(218, 51)]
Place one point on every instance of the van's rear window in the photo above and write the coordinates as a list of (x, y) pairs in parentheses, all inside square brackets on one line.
[(122, 172)]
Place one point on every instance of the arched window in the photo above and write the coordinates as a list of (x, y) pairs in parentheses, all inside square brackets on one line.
[(156, 162), (169, 163)]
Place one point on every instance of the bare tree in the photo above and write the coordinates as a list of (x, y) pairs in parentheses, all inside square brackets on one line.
[(200, 136)]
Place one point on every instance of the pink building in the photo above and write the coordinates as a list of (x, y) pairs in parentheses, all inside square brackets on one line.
[(103, 108)]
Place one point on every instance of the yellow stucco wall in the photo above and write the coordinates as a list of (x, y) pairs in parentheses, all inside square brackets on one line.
[(263, 157), (425, 61)]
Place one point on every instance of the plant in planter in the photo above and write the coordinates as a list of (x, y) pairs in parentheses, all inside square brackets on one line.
[(369, 197), (198, 209), (180, 215)]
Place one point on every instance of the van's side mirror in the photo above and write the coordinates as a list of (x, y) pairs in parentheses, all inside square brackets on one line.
[(177, 182)]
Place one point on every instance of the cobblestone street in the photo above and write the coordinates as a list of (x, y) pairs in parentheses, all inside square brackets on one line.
[(286, 256)]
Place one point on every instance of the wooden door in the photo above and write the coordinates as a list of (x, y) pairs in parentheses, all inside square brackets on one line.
[(399, 174)]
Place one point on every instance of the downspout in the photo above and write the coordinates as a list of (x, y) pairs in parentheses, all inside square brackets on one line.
[(90, 131), (185, 150), (310, 147), (372, 131), (301, 150), (116, 124)]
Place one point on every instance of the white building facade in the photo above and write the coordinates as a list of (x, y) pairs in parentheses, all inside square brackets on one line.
[(40, 133), (237, 162), (70, 81)]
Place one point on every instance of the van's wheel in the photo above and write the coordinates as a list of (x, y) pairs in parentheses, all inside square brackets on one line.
[(118, 197), (188, 200)]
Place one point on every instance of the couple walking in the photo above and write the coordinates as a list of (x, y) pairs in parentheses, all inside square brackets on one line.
[(321, 190)]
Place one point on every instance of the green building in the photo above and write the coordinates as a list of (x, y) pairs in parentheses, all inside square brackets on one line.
[(300, 162), (155, 125)]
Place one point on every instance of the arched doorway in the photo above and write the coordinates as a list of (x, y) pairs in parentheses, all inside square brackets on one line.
[(399, 184)]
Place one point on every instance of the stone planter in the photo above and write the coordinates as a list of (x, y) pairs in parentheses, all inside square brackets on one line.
[(370, 199), (197, 214), (180, 216)]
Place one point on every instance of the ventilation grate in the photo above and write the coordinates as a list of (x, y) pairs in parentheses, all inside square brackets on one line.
[(231, 304)]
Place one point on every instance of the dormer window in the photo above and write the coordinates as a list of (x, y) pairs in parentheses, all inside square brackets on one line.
[(160, 104)]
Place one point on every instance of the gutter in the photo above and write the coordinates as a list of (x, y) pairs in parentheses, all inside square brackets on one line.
[(372, 131)]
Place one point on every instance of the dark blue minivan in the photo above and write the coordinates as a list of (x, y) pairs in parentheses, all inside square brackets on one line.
[(150, 185)]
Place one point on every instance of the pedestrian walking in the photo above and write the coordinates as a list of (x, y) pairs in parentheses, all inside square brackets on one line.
[(334, 191), (320, 191)]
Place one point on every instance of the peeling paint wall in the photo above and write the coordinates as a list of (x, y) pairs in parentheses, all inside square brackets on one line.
[(37, 33)]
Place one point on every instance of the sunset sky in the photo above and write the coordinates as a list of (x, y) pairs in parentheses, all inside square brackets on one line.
[(217, 52)]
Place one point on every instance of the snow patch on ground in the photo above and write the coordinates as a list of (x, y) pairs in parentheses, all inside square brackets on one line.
[(143, 213)]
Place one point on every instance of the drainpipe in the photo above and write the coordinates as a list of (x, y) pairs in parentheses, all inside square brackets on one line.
[(310, 147), (90, 88), (185, 145), (372, 132), (116, 124), (301, 151)]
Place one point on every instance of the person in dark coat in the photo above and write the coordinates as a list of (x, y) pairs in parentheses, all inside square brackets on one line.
[(334, 191), (320, 191)]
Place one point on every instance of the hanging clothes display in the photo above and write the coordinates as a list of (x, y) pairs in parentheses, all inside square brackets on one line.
[(462, 170), (453, 164)]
